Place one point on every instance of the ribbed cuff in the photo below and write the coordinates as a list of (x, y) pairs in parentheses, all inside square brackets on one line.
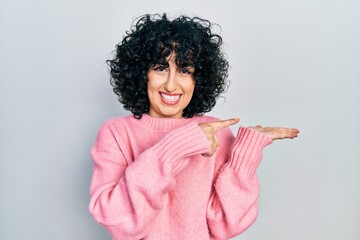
[(183, 142), (247, 151)]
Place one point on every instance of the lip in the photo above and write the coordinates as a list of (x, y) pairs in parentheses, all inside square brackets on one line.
[(170, 98)]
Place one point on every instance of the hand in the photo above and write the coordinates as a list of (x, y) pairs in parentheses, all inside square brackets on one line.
[(277, 132), (210, 128)]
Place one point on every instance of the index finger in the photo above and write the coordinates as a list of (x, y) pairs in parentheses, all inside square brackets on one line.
[(224, 123)]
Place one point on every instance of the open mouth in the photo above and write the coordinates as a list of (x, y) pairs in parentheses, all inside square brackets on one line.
[(170, 99)]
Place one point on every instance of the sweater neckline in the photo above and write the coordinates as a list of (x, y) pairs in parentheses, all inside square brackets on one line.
[(162, 124)]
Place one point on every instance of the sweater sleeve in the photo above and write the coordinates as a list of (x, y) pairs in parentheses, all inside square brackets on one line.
[(126, 196), (232, 207)]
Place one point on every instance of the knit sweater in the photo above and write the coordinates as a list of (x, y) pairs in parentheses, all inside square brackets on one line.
[(150, 180)]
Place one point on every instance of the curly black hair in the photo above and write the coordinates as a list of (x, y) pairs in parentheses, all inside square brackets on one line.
[(153, 38)]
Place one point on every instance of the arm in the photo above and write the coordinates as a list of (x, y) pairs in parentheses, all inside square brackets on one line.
[(232, 207), (127, 194)]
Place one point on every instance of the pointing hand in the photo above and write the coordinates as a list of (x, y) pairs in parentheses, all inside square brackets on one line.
[(210, 129)]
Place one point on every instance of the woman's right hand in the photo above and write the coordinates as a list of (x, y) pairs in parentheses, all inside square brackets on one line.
[(210, 129)]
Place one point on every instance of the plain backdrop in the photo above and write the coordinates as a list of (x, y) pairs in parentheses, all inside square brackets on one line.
[(293, 63)]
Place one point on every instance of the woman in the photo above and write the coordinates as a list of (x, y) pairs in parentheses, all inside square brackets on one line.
[(168, 171)]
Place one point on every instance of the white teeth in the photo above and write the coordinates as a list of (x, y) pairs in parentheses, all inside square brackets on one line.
[(170, 98)]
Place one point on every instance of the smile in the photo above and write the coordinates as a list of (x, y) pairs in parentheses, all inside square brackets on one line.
[(170, 99)]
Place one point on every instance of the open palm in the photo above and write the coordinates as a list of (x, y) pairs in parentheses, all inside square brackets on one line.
[(277, 132)]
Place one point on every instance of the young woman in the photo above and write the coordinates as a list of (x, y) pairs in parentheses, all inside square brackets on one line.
[(168, 171)]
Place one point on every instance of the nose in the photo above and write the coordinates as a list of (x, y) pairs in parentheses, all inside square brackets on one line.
[(170, 84)]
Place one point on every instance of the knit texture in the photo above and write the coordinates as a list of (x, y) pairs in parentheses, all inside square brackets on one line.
[(150, 180)]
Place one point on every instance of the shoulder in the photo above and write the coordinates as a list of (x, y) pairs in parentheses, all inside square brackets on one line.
[(113, 126), (110, 133)]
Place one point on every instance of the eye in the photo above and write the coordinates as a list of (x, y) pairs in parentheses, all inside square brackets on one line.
[(185, 71), (159, 68)]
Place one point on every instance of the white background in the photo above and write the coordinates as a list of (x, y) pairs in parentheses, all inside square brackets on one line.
[(294, 63)]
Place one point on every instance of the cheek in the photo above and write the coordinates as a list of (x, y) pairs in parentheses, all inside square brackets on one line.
[(191, 87), (151, 86), (189, 91)]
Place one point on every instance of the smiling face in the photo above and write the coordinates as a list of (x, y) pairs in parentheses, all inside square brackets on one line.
[(170, 89)]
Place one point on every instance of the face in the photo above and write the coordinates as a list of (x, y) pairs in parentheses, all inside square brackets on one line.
[(170, 89)]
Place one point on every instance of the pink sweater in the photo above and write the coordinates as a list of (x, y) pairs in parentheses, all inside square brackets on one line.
[(150, 180)]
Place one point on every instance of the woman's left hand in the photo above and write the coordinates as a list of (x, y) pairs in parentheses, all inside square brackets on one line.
[(276, 133)]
